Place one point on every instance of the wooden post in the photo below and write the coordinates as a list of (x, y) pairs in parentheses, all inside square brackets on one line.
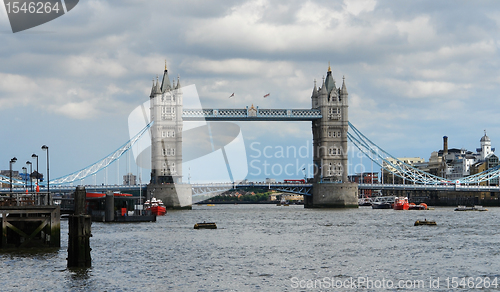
[(4, 230), (79, 233), (80, 200)]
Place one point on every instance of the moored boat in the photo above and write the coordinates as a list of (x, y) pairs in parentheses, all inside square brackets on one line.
[(205, 225), (475, 208), (381, 205), (155, 206), (421, 206), (364, 201), (401, 203), (383, 202)]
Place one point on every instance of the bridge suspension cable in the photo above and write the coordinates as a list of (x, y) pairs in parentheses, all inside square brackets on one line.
[(101, 164), (406, 171), (393, 165)]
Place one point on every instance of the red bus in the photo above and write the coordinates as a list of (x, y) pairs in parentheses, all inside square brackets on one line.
[(294, 181)]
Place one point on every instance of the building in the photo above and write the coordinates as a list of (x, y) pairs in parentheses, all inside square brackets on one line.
[(330, 132), (451, 164), (366, 178), (129, 179), (166, 132)]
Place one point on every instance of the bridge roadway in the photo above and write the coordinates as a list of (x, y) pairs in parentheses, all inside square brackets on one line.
[(252, 114), (198, 189), (297, 188), (420, 187)]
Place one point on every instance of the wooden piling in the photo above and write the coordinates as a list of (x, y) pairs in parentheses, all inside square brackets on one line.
[(79, 233)]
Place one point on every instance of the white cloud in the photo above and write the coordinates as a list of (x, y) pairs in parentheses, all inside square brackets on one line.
[(355, 7), (418, 31), (77, 110), (86, 65), (408, 66), (423, 89)]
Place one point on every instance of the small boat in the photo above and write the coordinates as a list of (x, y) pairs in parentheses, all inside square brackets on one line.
[(283, 202), (424, 222), (421, 206), (384, 202), (156, 207), (365, 201), (475, 208), (205, 225), (401, 203), (381, 205)]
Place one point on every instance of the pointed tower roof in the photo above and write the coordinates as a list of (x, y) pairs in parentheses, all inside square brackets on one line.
[(344, 88), (157, 88), (315, 90), (165, 83), (330, 83), (323, 91), (178, 82), (153, 89)]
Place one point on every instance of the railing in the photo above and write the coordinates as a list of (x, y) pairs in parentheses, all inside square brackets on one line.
[(429, 187), (251, 114), (23, 199)]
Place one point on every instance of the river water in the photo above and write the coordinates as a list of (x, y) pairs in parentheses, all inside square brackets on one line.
[(271, 248)]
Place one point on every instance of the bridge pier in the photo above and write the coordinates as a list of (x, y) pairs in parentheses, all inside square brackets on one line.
[(333, 195), (174, 196)]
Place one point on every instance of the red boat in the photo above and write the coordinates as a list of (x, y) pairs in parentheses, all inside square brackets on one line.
[(156, 206), (421, 206), (401, 203)]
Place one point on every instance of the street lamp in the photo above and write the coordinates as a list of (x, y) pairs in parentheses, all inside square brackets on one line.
[(31, 171), (45, 147), (37, 173), (13, 160), (25, 171)]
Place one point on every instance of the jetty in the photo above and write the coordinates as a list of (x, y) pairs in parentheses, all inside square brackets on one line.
[(29, 220)]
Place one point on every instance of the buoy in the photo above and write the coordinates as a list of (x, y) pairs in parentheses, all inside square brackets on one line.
[(424, 222), (205, 225)]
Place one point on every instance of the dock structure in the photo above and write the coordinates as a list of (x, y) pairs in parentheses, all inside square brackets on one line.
[(30, 226)]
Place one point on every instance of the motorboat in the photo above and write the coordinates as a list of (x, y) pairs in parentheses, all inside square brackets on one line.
[(401, 203), (156, 207), (475, 208)]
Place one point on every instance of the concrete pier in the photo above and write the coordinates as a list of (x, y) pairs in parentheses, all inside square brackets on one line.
[(174, 196), (333, 195)]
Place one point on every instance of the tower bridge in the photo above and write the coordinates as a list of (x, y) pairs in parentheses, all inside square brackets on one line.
[(330, 130), (328, 115)]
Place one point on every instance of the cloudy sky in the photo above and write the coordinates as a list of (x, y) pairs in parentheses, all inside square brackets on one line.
[(415, 71)]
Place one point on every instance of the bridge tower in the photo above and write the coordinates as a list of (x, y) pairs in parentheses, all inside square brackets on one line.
[(166, 144), (331, 186)]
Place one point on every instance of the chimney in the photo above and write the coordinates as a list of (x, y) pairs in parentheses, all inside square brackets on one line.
[(445, 145)]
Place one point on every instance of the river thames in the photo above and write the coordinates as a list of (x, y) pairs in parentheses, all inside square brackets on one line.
[(271, 248)]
